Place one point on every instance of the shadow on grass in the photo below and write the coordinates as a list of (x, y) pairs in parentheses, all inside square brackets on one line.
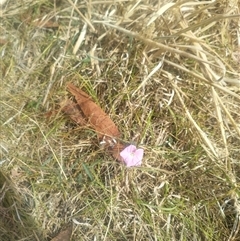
[(15, 222)]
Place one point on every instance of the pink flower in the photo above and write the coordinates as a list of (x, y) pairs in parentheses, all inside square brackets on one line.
[(132, 156)]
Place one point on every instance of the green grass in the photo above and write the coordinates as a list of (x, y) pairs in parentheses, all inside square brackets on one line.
[(168, 76)]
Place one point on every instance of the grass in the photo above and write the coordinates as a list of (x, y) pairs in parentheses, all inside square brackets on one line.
[(168, 75)]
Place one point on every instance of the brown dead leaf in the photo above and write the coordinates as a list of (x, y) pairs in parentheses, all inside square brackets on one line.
[(45, 24), (40, 22), (3, 40), (97, 118), (115, 151), (73, 111), (86, 112), (64, 235)]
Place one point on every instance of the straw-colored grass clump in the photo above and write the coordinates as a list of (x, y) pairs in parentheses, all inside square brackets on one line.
[(167, 73)]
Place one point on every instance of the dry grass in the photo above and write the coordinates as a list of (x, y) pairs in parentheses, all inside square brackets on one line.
[(168, 75)]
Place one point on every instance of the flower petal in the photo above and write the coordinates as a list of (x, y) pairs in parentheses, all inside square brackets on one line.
[(139, 154), (132, 156), (129, 150), (137, 158), (129, 160)]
